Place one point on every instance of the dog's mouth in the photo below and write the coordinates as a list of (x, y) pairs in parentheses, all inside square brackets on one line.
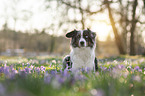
[(82, 46)]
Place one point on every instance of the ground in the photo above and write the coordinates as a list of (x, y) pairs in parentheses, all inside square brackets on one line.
[(43, 76)]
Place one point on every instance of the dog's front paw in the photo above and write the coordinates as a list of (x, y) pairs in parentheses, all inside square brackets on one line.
[(67, 62), (96, 64)]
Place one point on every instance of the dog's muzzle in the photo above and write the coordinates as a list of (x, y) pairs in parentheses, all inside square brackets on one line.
[(82, 43)]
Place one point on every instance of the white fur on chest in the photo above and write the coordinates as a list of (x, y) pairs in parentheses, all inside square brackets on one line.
[(82, 57)]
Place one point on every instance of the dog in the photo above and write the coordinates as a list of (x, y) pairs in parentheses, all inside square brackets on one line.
[(82, 53)]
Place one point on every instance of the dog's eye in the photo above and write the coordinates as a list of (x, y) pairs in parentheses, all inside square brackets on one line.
[(86, 36), (78, 36)]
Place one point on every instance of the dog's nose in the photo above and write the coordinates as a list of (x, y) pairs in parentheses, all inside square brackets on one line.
[(82, 42)]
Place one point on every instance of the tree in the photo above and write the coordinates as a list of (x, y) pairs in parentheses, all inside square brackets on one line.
[(118, 39), (124, 23), (132, 29)]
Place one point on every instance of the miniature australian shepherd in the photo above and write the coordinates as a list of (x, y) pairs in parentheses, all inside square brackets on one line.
[(82, 53)]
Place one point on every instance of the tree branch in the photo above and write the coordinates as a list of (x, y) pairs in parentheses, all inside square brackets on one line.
[(85, 10), (141, 22)]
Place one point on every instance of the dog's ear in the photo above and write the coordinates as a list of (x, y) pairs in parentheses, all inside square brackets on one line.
[(93, 34), (71, 34)]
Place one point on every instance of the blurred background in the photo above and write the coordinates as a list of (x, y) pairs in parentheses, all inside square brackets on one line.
[(38, 27)]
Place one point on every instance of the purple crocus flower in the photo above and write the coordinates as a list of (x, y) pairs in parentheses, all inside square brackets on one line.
[(56, 71), (42, 68), (6, 70), (136, 68), (82, 70), (120, 66), (61, 71), (65, 73), (9, 72), (50, 65), (37, 69), (11, 68), (87, 70), (139, 70), (61, 79), (57, 76), (27, 70), (109, 69), (12, 75), (82, 77), (53, 73), (79, 77), (28, 64), (103, 68), (47, 78), (1, 69)]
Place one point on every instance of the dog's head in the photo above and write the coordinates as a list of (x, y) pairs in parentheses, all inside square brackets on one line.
[(82, 38)]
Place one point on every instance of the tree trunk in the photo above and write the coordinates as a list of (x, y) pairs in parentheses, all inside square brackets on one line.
[(132, 30), (82, 13), (52, 44), (124, 23), (118, 40)]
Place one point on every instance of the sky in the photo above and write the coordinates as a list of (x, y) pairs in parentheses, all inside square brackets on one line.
[(28, 15), (31, 14)]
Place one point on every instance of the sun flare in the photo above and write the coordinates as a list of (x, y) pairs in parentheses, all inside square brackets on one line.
[(102, 30)]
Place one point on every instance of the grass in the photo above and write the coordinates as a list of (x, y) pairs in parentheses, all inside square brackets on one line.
[(42, 76)]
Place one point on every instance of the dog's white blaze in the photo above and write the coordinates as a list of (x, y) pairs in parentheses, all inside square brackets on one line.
[(83, 57), (82, 39)]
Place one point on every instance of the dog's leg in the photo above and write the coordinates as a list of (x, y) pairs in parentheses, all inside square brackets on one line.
[(67, 62), (96, 64)]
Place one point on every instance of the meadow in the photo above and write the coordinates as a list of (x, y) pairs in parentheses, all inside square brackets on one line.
[(43, 76)]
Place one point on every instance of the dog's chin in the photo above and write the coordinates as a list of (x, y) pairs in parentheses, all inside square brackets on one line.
[(82, 46)]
